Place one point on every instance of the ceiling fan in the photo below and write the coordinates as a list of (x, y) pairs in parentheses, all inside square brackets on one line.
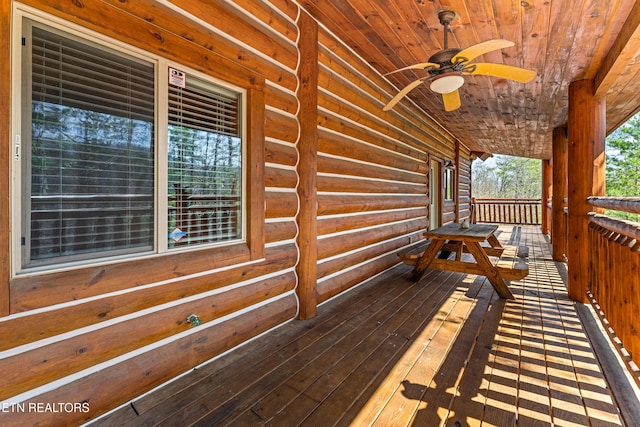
[(447, 67)]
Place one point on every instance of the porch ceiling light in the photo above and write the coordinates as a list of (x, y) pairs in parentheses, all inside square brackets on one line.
[(447, 83)]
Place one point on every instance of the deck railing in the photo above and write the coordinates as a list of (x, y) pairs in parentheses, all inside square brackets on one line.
[(507, 211), (614, 271), (73, 224)]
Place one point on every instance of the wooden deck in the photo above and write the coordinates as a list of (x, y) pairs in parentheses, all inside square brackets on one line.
[(445, 350)]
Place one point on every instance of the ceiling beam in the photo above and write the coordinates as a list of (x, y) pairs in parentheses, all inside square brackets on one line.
[(480, 155), (624, 49)]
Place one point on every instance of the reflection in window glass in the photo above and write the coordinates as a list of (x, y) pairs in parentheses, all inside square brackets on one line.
[(90, 184)]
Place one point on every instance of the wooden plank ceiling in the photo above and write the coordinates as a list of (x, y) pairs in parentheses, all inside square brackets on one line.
[(563, 40)]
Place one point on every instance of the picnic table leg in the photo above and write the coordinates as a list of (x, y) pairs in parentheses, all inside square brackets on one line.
[(491, 272), (426, 258), (493, 241), (459, 249)]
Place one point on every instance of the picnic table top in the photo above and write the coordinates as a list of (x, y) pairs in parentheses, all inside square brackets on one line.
[(453, 231)]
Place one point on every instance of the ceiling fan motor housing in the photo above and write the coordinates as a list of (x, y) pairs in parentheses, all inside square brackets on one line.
[(443, 57)]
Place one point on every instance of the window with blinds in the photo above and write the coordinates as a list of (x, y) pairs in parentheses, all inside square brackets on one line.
[(91, 137), (205, 164), (88, 190)]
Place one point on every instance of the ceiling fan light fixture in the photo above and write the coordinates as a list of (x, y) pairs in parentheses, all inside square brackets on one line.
[(447, 83)]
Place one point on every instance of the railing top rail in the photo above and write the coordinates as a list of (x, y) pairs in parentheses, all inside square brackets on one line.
[(626, 228), (624, 204), (508, 201), (503, 199)]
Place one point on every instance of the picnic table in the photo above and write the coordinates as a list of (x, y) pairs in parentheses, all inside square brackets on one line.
[(481, 242)]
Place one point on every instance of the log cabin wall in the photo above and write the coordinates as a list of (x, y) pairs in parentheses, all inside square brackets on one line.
[(105, 334), (372, 171), (448, 211)]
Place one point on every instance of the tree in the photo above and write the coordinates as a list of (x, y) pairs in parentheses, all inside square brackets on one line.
[(623, 163), (508, 177)]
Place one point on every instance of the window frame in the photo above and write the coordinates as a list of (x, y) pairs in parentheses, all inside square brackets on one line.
[(252, 244)]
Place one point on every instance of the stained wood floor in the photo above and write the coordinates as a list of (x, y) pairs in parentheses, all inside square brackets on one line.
[(443, 351)]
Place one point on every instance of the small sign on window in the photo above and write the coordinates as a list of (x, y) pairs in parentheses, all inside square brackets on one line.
[(177, 78)]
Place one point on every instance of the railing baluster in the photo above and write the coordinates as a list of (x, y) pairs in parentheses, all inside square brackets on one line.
[(614, 259), (508, 211)]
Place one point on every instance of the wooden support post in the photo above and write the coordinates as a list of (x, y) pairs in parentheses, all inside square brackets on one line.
[(456, 182), (546, 196), (558, 216), (256, 172), (307, 167), (587, 122), (5, 142)]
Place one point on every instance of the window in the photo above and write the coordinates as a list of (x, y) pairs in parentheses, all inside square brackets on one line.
[(205, 164), (90, 186), (448, 184), (96, 179)]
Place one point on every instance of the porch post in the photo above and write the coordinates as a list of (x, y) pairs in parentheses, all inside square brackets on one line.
[(307, 168), (456, 182), (546, 196), (587, 122), (558, 216)]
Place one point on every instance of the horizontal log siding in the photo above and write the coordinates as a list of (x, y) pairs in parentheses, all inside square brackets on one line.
[(403, 125), (464, 182), (105, 336), (152, 366), (448, 211), (372, 172)]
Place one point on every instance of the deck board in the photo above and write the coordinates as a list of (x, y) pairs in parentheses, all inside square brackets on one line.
[(443, 351)]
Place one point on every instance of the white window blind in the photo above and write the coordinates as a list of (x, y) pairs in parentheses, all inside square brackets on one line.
[(89, 184), (205, 164)]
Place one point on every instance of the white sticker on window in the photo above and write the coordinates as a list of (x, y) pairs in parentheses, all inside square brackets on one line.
[(17, 148), (177, 78)]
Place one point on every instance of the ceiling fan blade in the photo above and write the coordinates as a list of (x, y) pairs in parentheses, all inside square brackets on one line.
[(472, 52), (451, 100), (408, 88), (505, 71), (422, 65)]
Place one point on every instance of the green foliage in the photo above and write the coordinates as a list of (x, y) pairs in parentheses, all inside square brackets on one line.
[(204, 162), (507, 177), (515, 177), (623, 164)]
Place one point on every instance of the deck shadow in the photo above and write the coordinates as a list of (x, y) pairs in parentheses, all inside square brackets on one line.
[(392, 352)]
